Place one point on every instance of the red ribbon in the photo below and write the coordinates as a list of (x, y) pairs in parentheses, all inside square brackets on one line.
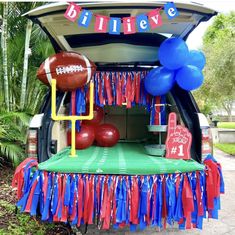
[(86, 200), (64, 214), (55, 217), (177, 184), (80, 200), (18, 179), (100, 89), (44, 187), (107, 217), (187, 199), (30, 198), (199, 196), (105, 201), (108, 88), (154, 199), (114, 203), (119, 90), (137, 87), (164, 208), (134, 202), (123, 80), (214, 177), (73, 215), (91, 201), (128, 91)]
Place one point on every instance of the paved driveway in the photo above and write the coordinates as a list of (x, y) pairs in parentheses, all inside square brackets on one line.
[(226, 222)]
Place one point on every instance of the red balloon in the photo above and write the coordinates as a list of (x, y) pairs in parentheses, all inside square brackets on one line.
[(84, 138), (98, 116), (107, 135)]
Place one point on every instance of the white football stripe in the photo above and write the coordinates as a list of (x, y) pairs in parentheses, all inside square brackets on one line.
[(88, 65), (47, 70)]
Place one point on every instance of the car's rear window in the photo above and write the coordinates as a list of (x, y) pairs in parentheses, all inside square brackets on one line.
[(96, 39)]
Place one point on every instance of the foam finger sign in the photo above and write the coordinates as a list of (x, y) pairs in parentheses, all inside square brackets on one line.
[(179, 140)]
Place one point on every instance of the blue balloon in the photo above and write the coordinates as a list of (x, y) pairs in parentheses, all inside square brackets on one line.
[(159, 81), (189, 77), (173, 53), (196, 58)]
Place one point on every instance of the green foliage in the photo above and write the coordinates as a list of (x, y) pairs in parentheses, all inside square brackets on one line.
[(40, 48), (13, 125), (23, 224), (12, 141), (219, 48)]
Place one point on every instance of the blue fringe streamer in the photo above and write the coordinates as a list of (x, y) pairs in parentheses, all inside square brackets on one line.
[(49, 191)]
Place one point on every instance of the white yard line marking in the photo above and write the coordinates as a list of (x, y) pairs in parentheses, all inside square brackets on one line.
[(121, 160), (104, 157), (92, 158)]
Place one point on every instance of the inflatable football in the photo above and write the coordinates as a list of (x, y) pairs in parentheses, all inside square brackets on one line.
[(71, 70)]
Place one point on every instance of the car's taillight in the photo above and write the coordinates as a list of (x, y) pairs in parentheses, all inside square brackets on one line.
[(32, 143), (207, 145)]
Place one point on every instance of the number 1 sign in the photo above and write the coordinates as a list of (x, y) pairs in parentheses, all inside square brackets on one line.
[(179, 140)]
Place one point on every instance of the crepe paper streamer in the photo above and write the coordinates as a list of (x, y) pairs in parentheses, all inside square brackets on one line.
[(78, 104), (118, 89), (134, 201)]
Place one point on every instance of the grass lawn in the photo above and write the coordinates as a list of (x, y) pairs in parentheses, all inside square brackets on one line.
[(227, 148), (229, 125)]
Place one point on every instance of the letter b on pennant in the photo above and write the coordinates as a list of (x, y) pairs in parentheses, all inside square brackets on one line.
[(155, 19), (72, 12)]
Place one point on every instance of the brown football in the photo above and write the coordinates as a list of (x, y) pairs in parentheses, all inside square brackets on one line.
[(70, 69)]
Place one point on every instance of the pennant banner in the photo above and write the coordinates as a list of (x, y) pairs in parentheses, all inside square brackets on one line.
[(130, 25)]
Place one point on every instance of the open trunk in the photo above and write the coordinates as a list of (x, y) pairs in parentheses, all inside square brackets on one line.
[(120, 53)]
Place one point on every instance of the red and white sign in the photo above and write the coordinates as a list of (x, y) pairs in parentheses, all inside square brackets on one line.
[(129, 25), (179, 140), (72, 12), (155, 19), (101, 23)]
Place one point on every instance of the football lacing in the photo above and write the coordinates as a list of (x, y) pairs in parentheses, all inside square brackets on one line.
[(69, 69)]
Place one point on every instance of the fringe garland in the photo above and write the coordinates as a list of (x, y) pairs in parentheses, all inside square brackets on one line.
[(116, 88), (118, 201)]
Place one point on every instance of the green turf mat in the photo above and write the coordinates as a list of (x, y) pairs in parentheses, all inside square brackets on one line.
[(124, 158)]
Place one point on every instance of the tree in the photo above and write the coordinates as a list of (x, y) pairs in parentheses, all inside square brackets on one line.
[(4, 39), (26, 62), (218, 90), (21, 92)]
